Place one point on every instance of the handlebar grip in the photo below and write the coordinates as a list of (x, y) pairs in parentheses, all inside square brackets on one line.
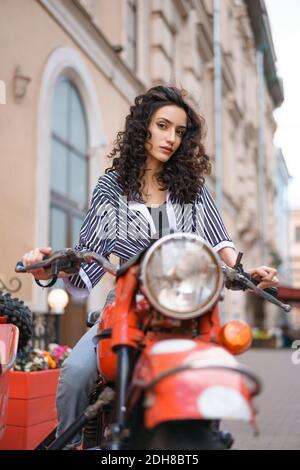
[(20, 268), (270, 290)]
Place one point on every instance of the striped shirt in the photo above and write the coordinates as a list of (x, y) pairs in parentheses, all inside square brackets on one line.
[(114, 225)]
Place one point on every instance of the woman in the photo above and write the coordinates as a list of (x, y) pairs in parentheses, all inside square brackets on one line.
[(155, 186)]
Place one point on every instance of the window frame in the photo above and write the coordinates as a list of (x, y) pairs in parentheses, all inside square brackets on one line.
[(70, 207)]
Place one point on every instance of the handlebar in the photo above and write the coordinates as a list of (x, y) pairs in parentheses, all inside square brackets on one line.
[(236, 280), (68, 261)]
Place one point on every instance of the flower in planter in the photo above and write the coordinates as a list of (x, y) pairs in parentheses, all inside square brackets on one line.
[(51, 361), (31, 359), (59, 353)]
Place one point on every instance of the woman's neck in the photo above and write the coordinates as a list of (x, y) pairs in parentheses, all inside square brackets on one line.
[(153, 167), (152, 193)]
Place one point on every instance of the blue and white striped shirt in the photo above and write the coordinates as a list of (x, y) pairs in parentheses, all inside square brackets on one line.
[(114, 225)]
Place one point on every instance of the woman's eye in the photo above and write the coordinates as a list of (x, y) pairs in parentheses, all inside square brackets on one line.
[(180, 133), (161, 125)]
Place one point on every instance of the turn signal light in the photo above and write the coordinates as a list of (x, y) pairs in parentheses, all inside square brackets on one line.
[(235, 336)]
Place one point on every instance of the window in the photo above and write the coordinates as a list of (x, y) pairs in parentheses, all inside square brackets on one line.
[(297, 234), (68, 166)]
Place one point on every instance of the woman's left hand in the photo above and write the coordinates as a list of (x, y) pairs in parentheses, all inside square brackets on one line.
[(266, 275)]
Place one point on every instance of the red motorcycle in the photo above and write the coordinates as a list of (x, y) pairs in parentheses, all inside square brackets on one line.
[(168, 368)]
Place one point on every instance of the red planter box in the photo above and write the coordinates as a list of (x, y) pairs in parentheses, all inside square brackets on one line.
[(31, 408)]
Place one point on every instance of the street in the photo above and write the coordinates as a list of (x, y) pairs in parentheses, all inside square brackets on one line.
[(278, 418)]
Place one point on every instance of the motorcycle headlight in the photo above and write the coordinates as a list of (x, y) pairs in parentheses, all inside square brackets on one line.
[(182, 276)]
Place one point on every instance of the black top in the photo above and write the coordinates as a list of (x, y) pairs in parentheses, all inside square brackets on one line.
[(160, 219)]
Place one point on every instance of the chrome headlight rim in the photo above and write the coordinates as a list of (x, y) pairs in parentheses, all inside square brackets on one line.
[(211, 300)]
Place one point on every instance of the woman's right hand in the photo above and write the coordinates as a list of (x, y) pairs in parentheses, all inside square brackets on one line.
[(35, 256)]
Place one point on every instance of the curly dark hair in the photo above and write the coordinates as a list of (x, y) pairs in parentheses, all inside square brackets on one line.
[(183, 174)]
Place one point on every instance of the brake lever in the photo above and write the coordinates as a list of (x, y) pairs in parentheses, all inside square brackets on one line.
[(263, 293), (233, 276), (70, 263), (20, 268), (239, 268), (63, 260), (273, 291)]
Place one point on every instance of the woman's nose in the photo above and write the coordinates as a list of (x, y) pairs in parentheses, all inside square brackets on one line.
[(171, 137)]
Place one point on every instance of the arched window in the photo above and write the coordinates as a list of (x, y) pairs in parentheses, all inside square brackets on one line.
[(68, 166)]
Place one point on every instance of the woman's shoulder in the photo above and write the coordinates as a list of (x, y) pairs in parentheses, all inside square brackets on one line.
[(200, 193), (108, 184), (204, 195)]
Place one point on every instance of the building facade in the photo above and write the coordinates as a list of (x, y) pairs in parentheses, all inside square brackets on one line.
[(71, 69), (282, 252), (295, 246)]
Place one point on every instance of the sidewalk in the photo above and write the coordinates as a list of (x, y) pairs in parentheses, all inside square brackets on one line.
[(278, 419)]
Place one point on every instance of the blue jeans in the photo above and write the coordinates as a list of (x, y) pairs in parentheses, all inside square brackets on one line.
[(78, 375)]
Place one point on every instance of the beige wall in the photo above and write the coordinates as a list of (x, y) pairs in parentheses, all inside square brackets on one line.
[(108, 16), (29, 35)]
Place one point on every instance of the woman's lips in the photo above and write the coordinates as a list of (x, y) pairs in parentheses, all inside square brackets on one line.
[(166, 150)]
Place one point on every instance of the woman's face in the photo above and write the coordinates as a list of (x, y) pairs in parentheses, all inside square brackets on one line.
[(167, 127)]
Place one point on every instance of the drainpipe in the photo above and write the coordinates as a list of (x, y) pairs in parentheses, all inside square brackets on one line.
[(218, 104), (218, 121), (261, 155)]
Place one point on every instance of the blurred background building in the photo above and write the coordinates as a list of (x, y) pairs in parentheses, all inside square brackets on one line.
[(71, 69), (295, 246)]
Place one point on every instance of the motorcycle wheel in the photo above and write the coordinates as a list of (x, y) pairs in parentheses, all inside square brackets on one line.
[(17, 313), (171, 435), (186, 435), (175, 435)]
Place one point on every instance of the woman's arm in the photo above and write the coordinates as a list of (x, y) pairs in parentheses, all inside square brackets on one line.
[(228, 255)]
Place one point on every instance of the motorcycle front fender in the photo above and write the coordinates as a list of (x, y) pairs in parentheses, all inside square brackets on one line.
[(191, 379)]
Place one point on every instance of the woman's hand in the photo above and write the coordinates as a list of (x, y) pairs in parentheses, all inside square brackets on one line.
[(35, 256), (266, 275)]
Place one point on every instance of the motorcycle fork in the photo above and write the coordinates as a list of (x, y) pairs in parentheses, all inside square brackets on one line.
[(125, 339), (118, 428)]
